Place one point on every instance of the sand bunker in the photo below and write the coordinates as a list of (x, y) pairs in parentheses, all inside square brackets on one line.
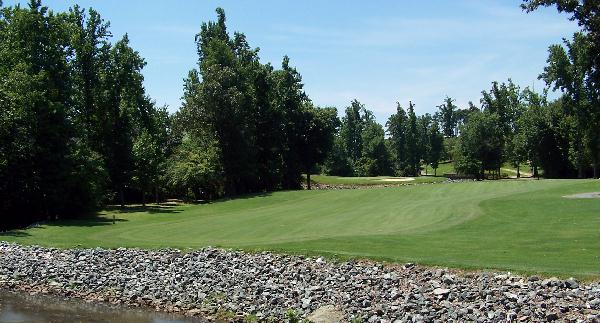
[(398, 179), (591, 195)]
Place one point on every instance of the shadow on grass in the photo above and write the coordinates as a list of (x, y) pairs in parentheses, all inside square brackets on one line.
[(239, 197), (94, 220), (105, 216), (151, 209), (14, 234)]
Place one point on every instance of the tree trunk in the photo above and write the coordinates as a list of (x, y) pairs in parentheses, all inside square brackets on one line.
[(156, 195), (535, 172), (143, 198), (435, 172), (596, 171), (580, 157), (425, 169), (308, 180), (518, 171), (122, 196)]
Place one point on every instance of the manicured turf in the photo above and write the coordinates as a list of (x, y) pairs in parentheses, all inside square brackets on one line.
[(378, 180), (507, 169), (443, 168), (524, 226)]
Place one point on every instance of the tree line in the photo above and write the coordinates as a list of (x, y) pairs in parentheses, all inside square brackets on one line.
[(558, 138), (76, 126), (78, 131), (251, 126)]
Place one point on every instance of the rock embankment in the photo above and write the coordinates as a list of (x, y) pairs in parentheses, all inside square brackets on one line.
[(236, 286), (383, 184)]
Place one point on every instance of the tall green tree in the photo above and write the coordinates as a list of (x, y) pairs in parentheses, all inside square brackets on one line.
[(150, 152), (291, 101), (194, 170), (413, 157), (436, 142), (337, 162), (89, 35), (480, 145), (259, 117), (352, 128), (317, 128), (424, 123), (568, 71), (270, 139), (504, 101), (124, 100), (375, 158), (447, 111), (222, 104), (587, 15), (39, 152), (396, 128)]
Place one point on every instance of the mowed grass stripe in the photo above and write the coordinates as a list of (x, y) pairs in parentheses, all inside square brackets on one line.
[(515, 225)]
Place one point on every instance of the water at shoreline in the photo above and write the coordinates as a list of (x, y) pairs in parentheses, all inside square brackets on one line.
[(22, 307)]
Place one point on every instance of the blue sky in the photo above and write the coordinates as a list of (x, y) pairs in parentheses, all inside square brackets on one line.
[(378, 52)]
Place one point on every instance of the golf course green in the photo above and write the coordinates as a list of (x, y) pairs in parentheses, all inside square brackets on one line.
[(519, 225)]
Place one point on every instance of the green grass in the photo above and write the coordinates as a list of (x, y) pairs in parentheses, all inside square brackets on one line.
[(443, 168), (378, 180), (523, 226), (507, 168)]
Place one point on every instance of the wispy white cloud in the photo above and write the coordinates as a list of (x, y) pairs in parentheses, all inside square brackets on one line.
[(381, 60)]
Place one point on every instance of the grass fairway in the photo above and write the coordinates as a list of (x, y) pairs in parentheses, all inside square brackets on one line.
[(507, 169), (524, 226), (378, 180)]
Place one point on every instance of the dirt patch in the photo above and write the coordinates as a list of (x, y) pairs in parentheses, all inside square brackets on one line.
[(591, 195), (326, 314), (399, 179)]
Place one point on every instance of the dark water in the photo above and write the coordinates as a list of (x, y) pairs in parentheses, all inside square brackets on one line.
[(22, 307)]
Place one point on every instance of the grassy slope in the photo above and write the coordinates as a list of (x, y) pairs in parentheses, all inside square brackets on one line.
[(444, 168), (516, 225), (507, 168)]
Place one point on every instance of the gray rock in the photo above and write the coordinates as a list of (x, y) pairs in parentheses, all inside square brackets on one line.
[(551, 282), (201, 282), (571, 283), (511, 296), (306, 303)]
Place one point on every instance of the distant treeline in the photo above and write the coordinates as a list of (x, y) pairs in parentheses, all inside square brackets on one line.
[(77, 130)]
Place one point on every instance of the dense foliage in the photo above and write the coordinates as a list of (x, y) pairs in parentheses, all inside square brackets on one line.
[(78, 131), (76, 127), (264, 130)]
